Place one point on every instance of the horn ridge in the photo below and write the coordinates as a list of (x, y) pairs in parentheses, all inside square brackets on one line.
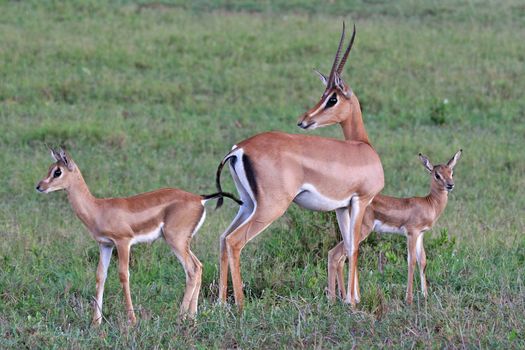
[(345, 56), (336, 59)]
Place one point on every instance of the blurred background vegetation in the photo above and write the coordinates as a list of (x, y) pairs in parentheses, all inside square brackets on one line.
[(153, 94)]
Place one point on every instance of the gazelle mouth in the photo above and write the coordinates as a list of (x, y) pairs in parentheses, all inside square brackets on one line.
[(305, 127)]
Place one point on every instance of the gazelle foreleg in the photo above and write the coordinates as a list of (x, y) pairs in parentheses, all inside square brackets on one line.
[(102, 272), (422, 262), (123, 249), (411, 260)]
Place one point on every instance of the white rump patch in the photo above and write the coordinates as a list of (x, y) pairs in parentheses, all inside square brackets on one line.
[(249, 206), (148, 236), (199, 225)]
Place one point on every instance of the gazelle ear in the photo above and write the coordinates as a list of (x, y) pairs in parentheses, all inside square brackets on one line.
[(70, 164), (342, 87), (54, 154), (426, 162), (323, 78), (452, 162)]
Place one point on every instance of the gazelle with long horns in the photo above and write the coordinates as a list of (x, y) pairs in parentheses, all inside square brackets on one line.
[(409, 216), (171, 213), (273, 169)]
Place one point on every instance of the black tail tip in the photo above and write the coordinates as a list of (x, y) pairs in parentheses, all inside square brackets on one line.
[(220, 202)]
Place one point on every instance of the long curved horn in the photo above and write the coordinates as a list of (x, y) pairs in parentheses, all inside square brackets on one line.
[(336, 59), (345, 56)]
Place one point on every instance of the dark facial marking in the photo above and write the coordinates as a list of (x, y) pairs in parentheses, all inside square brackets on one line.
[(57, 173), (331, 101)]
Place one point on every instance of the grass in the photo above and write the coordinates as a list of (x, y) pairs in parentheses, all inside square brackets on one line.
[(153, 95)]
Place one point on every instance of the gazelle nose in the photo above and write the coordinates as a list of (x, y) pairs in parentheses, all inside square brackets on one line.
[(450, 186), (38, 188)]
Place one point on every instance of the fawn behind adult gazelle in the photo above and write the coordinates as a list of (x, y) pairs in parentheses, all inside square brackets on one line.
[(409, 216), (121, 222)]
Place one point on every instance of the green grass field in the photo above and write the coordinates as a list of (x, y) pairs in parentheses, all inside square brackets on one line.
[(154, 95)]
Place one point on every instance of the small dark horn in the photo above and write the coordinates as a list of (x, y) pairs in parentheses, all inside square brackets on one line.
[(336, 59), (345, 56)]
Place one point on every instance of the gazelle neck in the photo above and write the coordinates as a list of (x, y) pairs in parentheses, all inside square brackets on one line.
[(353, 126), (438, 198), (81, 199)]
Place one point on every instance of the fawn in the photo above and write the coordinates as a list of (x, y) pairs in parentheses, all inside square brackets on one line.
[(409, 216), (121, 222)]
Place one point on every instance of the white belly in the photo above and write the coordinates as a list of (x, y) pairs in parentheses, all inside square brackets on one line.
[(384, 228), (308, 197), (148, 236), (103, 240)]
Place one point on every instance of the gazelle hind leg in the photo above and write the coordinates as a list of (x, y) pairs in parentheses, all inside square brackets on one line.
[(195, 297), (246, 210), (236, 241), (123, 270), (336, 260), (340, 273), (192, 268)]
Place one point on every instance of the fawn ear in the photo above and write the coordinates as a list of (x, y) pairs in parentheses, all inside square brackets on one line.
[(64, 156), (426, 162), (54, 154), (452, 162)]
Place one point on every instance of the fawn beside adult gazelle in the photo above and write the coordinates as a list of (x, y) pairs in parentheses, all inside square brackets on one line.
[(409, 216), (121, 222)]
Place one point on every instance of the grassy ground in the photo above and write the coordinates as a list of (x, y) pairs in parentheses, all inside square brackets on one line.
[(154, 95)]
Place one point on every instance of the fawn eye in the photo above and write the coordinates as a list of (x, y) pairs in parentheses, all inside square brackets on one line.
[(331, 101), (57, 173)]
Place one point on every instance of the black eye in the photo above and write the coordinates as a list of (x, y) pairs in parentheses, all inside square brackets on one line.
[(438, 177), (57, 173), (331, 101)]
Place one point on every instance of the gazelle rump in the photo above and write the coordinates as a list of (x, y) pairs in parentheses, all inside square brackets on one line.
[(171, 213), (409, 216), (273, 169)]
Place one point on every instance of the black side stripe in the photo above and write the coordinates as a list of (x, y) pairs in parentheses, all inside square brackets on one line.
[(250, 173)]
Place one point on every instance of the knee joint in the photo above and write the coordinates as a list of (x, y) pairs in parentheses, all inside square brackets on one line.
[(123, 276)]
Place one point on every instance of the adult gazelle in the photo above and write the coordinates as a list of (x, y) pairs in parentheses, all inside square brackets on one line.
[(273, 169)]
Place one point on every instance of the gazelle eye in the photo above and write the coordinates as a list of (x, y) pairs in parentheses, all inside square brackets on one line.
[(438, 177), (331, 101), (57, 173)]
